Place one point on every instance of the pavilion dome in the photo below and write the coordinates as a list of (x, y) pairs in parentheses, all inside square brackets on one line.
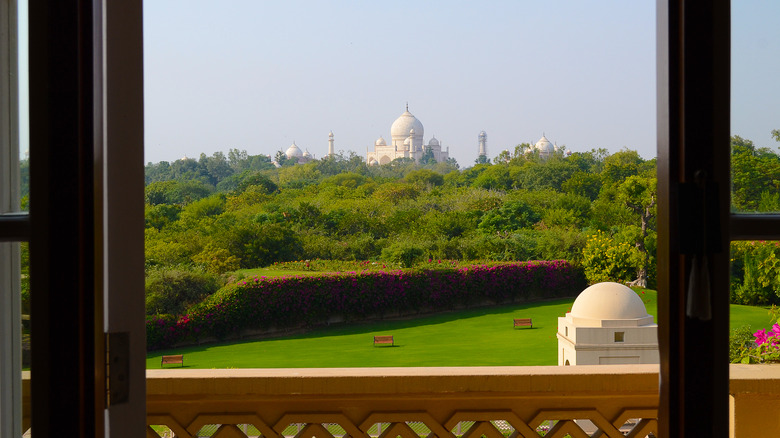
[(405, 123), (380, 142), (433, 142), (294, 151), (608, 301)]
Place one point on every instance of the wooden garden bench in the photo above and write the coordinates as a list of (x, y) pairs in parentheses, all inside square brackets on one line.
[(523, 322), (174, 358), (383, 340)]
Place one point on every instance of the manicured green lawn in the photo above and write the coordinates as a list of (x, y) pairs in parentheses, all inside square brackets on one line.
[(479, 337), (267, 272), (464, 338), (755, 317)]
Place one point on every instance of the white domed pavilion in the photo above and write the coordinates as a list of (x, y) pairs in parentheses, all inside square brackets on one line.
[(406, 141), (608, 324)]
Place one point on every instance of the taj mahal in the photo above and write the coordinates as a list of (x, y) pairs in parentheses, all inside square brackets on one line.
[(407, 141)]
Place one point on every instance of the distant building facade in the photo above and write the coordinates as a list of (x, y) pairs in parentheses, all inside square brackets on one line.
[(406, 141)]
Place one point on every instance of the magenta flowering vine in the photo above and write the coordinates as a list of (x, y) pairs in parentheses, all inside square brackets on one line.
[(360, 295), (767, 346)]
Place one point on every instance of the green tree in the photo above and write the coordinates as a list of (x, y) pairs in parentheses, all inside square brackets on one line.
[(216, 166), (606, 258), (512, 216), (638, 193), (238, 160), (755, 175), (427, 157), (621, 165), (216, 260), (583, 184), (157, 172), (173, 290), (282, 160), (161, 215), (425, 177)]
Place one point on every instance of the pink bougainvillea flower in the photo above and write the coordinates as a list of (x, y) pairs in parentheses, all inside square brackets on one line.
[(776, 330), (761, 336)]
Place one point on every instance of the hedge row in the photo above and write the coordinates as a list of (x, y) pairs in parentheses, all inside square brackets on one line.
[(283, 302)]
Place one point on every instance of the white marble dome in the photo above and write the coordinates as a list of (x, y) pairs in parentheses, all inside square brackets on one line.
[(609, 302), (294, 151), (433, 142), (544, 146), (306, 154), (380, 142), (404, 124)]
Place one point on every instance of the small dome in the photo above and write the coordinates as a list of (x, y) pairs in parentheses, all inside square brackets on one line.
[(380, 142), (306, 153), (482, 134), (433, 142), (609, 301), (293, 151), (331, 134), (407, 142)]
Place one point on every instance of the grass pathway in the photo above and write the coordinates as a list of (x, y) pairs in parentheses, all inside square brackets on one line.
[(476, 337)]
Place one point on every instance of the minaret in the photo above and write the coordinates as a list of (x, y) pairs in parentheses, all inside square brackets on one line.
[(411, 145), (482, 144), (331, 152)]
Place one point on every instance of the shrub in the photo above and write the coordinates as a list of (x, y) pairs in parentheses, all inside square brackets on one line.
[(606, 259), (404, 253), (216, 260), (755, 273), (280, 302), (173, 290), (741, 340)]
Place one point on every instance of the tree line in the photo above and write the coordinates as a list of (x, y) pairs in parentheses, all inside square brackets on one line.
[(210, 216)]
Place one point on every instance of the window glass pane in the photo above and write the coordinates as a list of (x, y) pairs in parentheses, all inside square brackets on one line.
[(755, 103), (14, 327), (755, 293), (244, 172)]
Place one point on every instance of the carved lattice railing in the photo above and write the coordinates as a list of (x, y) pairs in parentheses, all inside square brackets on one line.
[(498, 402), (418, 402)]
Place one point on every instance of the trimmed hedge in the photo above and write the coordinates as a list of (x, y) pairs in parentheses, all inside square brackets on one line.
[(285, 302)]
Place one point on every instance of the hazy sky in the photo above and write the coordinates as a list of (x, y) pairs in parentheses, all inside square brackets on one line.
[(258, 75)]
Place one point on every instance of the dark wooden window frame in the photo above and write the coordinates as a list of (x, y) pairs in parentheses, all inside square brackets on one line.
[(693, 66)]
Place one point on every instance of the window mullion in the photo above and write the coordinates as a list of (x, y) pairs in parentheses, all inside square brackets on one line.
[(754, 226)]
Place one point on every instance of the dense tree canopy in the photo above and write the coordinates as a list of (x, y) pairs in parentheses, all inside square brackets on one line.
[(240, 210)]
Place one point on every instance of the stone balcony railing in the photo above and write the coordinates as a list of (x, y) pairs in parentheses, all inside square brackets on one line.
[(581, 401), (406, 402)]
